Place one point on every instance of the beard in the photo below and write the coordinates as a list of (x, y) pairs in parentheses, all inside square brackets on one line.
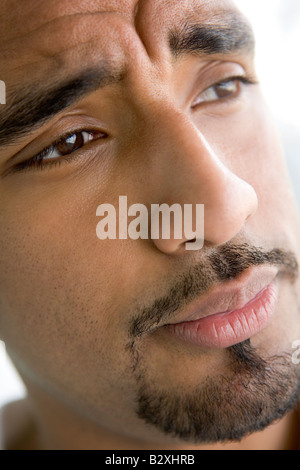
[(251, 393)]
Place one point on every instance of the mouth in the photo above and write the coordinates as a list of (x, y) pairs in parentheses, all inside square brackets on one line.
[(230, 313)]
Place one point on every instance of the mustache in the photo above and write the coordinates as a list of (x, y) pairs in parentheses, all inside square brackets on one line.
[(223, 264)]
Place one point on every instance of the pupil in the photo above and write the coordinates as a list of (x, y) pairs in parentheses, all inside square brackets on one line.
[(72, 143)]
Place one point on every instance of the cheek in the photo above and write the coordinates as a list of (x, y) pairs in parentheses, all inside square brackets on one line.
[(61, 310), (277, 216)]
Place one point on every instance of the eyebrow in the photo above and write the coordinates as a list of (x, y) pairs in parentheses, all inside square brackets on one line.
[(227, 33), (34, 105)]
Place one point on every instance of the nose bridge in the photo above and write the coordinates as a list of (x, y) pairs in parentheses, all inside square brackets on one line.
[(183, 145), (187, 157), (188, 171)]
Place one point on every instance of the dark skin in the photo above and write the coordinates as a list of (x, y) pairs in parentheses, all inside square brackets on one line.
[(159, 128)]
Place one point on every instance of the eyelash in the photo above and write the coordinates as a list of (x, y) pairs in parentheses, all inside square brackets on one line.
[(38, 161), (242, 79)]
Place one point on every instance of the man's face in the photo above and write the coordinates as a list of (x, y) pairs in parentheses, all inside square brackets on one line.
[(156, 100)]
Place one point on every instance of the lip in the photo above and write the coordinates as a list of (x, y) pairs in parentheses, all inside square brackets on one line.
[(230, 313)]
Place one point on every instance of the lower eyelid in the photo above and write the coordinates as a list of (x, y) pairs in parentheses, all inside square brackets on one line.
[(40, 164)]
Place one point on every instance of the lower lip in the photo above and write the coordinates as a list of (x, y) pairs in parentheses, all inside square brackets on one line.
[(223, 330)]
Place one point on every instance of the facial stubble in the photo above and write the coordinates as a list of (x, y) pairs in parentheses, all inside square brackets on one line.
[(253, 391)]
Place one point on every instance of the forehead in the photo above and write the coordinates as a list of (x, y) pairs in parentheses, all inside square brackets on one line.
[(35, 12), (45, 34)]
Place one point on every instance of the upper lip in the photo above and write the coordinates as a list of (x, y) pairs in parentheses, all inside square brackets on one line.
[(228, 296)]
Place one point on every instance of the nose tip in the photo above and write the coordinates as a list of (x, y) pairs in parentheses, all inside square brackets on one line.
[(185, 229), (229, 202), (229, 210)]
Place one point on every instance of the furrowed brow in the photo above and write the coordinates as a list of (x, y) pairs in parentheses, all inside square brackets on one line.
[(225, 35), (34, 106)]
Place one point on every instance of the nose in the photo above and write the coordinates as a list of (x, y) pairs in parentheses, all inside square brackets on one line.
[(189, 172)]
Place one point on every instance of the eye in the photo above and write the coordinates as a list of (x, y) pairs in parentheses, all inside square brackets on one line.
[(68, 145), (227, 89), (62, 150)]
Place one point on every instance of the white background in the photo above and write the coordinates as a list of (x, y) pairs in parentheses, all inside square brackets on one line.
[(277, 27)]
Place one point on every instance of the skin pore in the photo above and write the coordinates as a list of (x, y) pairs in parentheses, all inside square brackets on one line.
[(157, 100)]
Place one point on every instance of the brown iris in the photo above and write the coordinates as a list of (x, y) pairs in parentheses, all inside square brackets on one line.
[(71, 144), (225, 89)]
